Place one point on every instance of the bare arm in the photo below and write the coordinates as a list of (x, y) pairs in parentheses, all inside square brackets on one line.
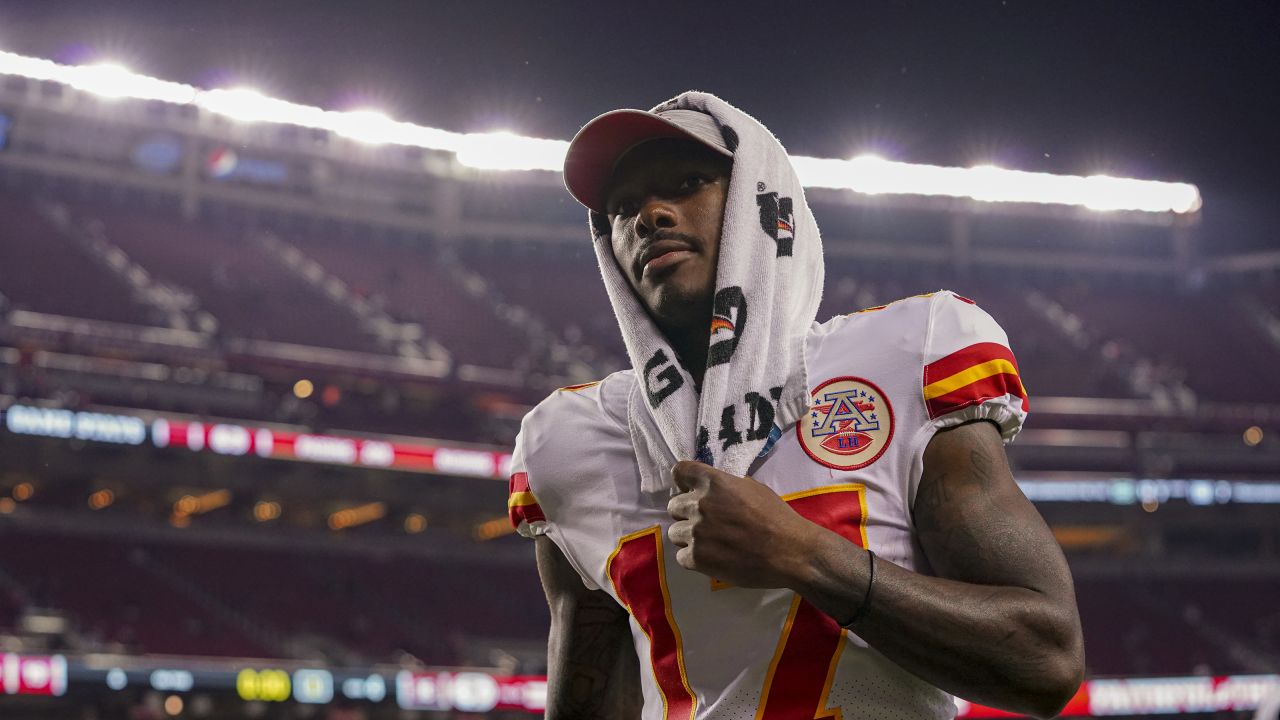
[(592, 668), (999, 624)]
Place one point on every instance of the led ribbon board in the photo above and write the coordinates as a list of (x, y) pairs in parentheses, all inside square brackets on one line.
[(236, 439), (475, 690)]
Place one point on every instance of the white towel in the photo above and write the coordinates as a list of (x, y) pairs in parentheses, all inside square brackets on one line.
[(768, 286)]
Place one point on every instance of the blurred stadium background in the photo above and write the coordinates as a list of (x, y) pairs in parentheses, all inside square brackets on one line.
[(261, 366)]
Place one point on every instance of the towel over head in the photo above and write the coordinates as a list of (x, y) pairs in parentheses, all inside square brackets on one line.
[(767, 291)]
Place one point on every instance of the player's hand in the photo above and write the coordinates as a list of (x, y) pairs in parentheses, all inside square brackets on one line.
[(735, 529)]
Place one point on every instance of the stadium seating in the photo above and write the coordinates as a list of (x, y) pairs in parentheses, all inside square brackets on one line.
[(1050, 362), (1072, 337), (250, 293), (412, 284), (560, 284), (259, 601), (1178, 627), (42, 270), (274, 602), (1200, 337), (116, 600)]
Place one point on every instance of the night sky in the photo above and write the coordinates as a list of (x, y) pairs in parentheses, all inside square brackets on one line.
[(1161, 90)]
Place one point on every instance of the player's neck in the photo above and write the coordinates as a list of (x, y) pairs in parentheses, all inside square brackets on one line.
[(690, 344)]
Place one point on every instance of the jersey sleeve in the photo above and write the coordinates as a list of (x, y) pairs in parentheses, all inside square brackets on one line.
[(969, 371), (542, 466), (522, 505)]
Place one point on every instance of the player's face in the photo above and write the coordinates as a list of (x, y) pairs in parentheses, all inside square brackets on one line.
[(666, 206)]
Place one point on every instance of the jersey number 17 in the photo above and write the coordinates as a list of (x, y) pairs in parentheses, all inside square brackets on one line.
[(803, 665)]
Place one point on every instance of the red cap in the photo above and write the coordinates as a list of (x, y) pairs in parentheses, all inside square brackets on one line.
[(600, 144)]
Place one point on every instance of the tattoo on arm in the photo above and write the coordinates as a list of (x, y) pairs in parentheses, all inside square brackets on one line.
[(592, 668), (976, 526), (591, 684)]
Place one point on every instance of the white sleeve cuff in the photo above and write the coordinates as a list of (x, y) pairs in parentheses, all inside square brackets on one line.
[(1006, 412)]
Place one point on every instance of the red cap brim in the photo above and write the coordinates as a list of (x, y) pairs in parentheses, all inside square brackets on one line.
[(596, 149)]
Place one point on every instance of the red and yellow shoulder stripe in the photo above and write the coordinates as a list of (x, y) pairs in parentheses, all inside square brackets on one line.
[(522, 506), (581, 386), (970, 376)]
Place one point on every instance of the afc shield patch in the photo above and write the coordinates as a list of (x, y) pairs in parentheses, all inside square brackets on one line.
[(849, 424)]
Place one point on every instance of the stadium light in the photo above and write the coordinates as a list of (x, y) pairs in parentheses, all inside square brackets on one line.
[(415, 523), (369, 126), (492, 529), (250, 105), (201, 504), (109, 80), (871, 175), (114, 81), (101, 499), (357, 515), (506, 151), (266, 510)]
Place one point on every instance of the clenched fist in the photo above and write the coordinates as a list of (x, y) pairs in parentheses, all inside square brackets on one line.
[(735, 529)]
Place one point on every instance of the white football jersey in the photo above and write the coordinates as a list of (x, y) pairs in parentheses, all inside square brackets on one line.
[(884, 380)]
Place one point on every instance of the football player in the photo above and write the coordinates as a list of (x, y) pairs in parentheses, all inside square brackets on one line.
[(873, 558)]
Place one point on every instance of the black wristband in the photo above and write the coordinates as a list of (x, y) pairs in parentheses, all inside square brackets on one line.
[(866, 599)]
